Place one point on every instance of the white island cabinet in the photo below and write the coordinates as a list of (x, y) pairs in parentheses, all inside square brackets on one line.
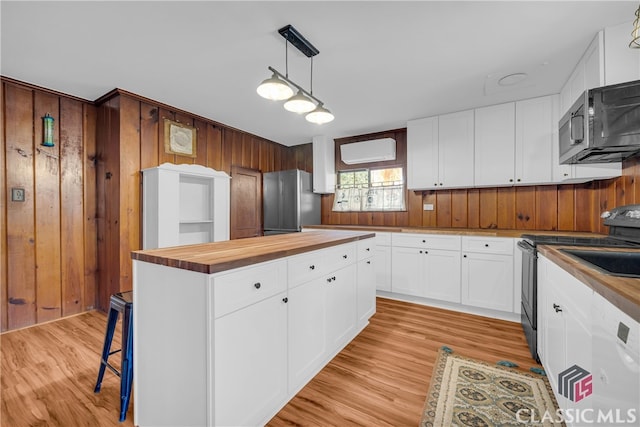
[(226, 333)]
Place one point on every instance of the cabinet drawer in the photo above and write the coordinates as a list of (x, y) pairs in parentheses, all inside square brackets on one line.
[(311, 265), (488, 245), (366, 248), (383, 239), (246, 286), (431, 241)]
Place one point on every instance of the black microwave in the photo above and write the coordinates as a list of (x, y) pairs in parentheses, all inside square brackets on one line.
[(602, 125)]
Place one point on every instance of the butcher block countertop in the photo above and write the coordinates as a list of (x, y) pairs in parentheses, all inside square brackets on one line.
[(623, 292), (489, 232), (221, 256)]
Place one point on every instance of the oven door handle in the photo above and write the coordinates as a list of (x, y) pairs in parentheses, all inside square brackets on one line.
[(526, 247)]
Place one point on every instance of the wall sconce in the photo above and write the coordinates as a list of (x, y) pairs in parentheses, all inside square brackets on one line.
[(47, 130), (278, 86)]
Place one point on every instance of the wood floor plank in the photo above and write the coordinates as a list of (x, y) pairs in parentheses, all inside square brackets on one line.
[(381, 378)]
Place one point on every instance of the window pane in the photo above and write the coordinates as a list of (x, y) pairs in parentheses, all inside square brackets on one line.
[(370, 190), (362, 178), (392, 176), (346, 178)]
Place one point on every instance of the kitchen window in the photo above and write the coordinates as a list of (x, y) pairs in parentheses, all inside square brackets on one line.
[(365, 190)]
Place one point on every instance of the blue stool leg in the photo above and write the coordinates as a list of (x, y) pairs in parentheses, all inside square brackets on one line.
[(126, 376), (111, 327)]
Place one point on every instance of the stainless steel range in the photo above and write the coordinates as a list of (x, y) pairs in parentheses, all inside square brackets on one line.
[(624, 232)]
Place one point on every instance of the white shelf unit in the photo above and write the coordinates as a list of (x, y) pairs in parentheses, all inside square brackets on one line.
[(183, 205)]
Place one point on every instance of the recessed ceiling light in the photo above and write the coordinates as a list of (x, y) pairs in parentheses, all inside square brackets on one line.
[(512, 79)]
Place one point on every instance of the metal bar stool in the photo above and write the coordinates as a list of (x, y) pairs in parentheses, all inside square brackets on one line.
[(121, 302)]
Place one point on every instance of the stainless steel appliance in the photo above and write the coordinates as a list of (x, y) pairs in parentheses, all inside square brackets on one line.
[(602, 126), (624, 232), (288, 201)]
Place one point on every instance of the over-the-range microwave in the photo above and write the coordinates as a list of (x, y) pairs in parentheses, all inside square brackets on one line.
[(602, 126)]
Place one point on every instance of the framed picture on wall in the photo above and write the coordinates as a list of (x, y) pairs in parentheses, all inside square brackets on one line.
[(179, 138)]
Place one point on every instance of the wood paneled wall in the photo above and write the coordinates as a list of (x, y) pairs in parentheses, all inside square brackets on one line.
[(48, 243), (131, 138), (566, 207)]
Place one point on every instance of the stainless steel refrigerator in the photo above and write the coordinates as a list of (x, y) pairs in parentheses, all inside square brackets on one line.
[(288, 201)]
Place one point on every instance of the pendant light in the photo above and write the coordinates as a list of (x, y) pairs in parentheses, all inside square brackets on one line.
[(280, 87), (635, 42), (274, 89), (320, 115)]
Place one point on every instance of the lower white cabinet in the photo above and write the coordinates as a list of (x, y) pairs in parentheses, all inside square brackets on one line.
[(251, 362), (382, 261), (565, 327), (424, 269), (487, 272), (232, 348)]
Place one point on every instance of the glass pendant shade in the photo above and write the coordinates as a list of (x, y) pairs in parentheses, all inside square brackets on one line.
[(274, 89), (299, 104), (635, 42), (320, 115)]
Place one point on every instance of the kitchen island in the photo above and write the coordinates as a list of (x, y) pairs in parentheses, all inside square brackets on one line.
[(226, 333)]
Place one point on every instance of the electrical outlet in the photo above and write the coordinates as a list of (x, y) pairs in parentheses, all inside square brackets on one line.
[(427, 207), (17, 194)]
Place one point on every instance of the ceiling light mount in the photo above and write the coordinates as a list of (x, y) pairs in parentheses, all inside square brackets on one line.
[(279, 86), (295, 38)]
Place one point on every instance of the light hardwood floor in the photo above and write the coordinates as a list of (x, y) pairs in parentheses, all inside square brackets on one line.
[(380, 379)]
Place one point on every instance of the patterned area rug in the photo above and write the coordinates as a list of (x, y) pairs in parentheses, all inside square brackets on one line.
[(467, 392)]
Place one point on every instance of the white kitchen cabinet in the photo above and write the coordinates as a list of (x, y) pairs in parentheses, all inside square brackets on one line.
[(494, 145), (422, 154), (440, 151), (184, 204), (535, 130), (587, 74), (251, 362), (382, 261), (487, 272), (342, 299), (621, 63), (517, 277), (566, 326), (324, 166), (455, 149), (426, 266), (366, 282)]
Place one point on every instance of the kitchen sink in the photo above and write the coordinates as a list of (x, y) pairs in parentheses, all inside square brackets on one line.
[(626, 264)]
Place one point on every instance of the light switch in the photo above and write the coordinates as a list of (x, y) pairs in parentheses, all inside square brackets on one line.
[(17, 194), (427, 207)]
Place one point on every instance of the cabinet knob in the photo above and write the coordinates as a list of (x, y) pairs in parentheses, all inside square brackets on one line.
[(518, 179), (368, 262), (344, 256), (557, 308), (330, 279), (486, 245), (285, 300), (426, 252), (565, 174), (312, 267), (424, 241), (510, 179), (435, 184), (464, 256), (441, 184), (257, 285), (333, 278), (420, 251), (368, 249)]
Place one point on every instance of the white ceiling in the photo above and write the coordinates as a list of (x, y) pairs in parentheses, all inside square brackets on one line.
[(380, 63)]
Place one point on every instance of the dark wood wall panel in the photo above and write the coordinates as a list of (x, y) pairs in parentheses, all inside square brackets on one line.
[(46, 243), (566, 207)]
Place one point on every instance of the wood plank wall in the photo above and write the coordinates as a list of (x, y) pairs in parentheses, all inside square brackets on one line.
[(566, 207), (48, 243), (131, 138)]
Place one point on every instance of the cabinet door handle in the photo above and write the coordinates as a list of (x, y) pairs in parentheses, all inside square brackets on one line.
[(285, 300), (344, 256), (257, 285), (557, 308), (312, 267)]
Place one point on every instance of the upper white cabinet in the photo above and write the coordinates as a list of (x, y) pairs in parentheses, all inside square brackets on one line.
[(422, 153), (184, 204), (536, 130), (494, 145), (324, 166), (440, 151), (455, 149)]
